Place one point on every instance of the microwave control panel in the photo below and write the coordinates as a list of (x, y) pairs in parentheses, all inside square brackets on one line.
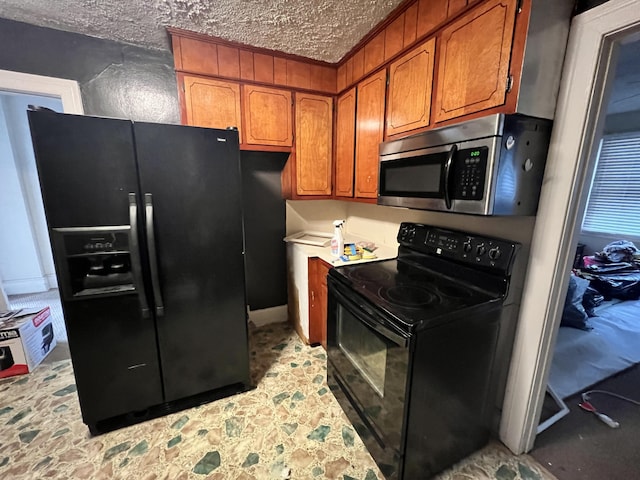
[(470, 166)]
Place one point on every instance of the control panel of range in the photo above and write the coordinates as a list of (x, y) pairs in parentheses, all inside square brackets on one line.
[(460, 246)]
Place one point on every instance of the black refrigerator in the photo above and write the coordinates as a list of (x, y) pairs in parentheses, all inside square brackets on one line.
[(145, 223)]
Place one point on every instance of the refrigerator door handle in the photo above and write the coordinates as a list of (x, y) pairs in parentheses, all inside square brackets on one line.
[(153, 258), (134, 251)]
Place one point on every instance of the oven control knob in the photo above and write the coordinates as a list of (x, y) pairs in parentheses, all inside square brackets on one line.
[(466, 247), (494, 253), (481, 250)]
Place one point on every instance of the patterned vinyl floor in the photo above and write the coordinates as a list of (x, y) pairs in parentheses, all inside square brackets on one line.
[(290, 424)]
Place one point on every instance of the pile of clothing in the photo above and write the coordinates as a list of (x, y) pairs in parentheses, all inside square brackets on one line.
[(619, 251), (612, 273)]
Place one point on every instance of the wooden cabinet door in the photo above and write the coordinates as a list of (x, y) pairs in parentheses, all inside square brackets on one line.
[(410, 84), (314, 146), (369, 133), (345, 142), (267, 116), (318, 295), (212, 103), (473, 64)]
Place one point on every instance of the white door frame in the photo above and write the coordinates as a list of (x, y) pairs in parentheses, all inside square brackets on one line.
[(593, 42), (68, 91)]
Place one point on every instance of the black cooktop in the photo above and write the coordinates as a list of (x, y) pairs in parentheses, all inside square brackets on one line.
[(411, 294), (437, 272)]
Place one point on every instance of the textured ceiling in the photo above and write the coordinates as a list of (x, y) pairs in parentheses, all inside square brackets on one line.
[(319, 29)]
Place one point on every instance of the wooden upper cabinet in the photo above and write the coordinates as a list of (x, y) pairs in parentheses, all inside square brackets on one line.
[(267, 116), (410, 85), (473, 64), (211, 103), (345, 143), (314, 120), (369, 133)]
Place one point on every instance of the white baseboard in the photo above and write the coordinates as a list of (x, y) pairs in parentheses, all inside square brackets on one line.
[(266, 316), (31, 285)]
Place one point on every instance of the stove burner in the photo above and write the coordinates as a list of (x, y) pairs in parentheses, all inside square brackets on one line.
[(408, 296), (453, 291), (369, 275)]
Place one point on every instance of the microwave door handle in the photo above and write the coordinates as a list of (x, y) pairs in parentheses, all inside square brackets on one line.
[(447, 173), (134, 251), (153, 257)]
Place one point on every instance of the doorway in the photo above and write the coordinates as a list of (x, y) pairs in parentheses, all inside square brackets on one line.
[(597, 347), (27, 275), (595, 39)]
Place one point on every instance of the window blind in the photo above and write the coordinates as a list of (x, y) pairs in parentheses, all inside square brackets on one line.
[(614, 200)]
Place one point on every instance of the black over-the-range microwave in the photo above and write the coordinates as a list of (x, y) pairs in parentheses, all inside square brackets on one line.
[(488, 166)]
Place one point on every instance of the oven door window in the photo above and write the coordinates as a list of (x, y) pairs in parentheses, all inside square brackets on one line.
[(366, 350), (371, 362), (420, 176)]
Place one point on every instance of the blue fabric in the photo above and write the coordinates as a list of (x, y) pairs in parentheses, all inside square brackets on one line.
[(574, 314)]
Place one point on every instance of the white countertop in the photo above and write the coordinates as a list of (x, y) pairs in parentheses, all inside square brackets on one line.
[(382, 252)]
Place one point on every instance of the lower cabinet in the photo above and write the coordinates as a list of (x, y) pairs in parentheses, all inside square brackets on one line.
[(318, 271)]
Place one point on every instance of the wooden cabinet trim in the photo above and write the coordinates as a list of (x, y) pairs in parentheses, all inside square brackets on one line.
[(394, 38), (247, 71), (374, 53), (211, 56)]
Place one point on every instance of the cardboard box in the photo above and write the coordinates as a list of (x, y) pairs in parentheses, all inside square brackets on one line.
[(24, 342)]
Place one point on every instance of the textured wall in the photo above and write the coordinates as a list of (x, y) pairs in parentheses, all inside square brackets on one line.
[(320, 29), (116, 79)]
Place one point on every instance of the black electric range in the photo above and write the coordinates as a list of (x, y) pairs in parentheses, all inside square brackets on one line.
[(411, 344)]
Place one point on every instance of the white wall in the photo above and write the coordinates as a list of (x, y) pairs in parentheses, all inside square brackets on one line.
[(26, 263), (380, 223), (315, 216)]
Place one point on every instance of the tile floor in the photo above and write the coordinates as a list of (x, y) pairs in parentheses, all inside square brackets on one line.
[(289, 424)]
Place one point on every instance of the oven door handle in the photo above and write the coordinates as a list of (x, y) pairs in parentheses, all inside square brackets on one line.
[(355, 308), (447, 174)]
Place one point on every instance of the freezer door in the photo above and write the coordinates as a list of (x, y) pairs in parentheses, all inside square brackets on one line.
[(191, 181), (86, 167), (88, 177), (114, 356)]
